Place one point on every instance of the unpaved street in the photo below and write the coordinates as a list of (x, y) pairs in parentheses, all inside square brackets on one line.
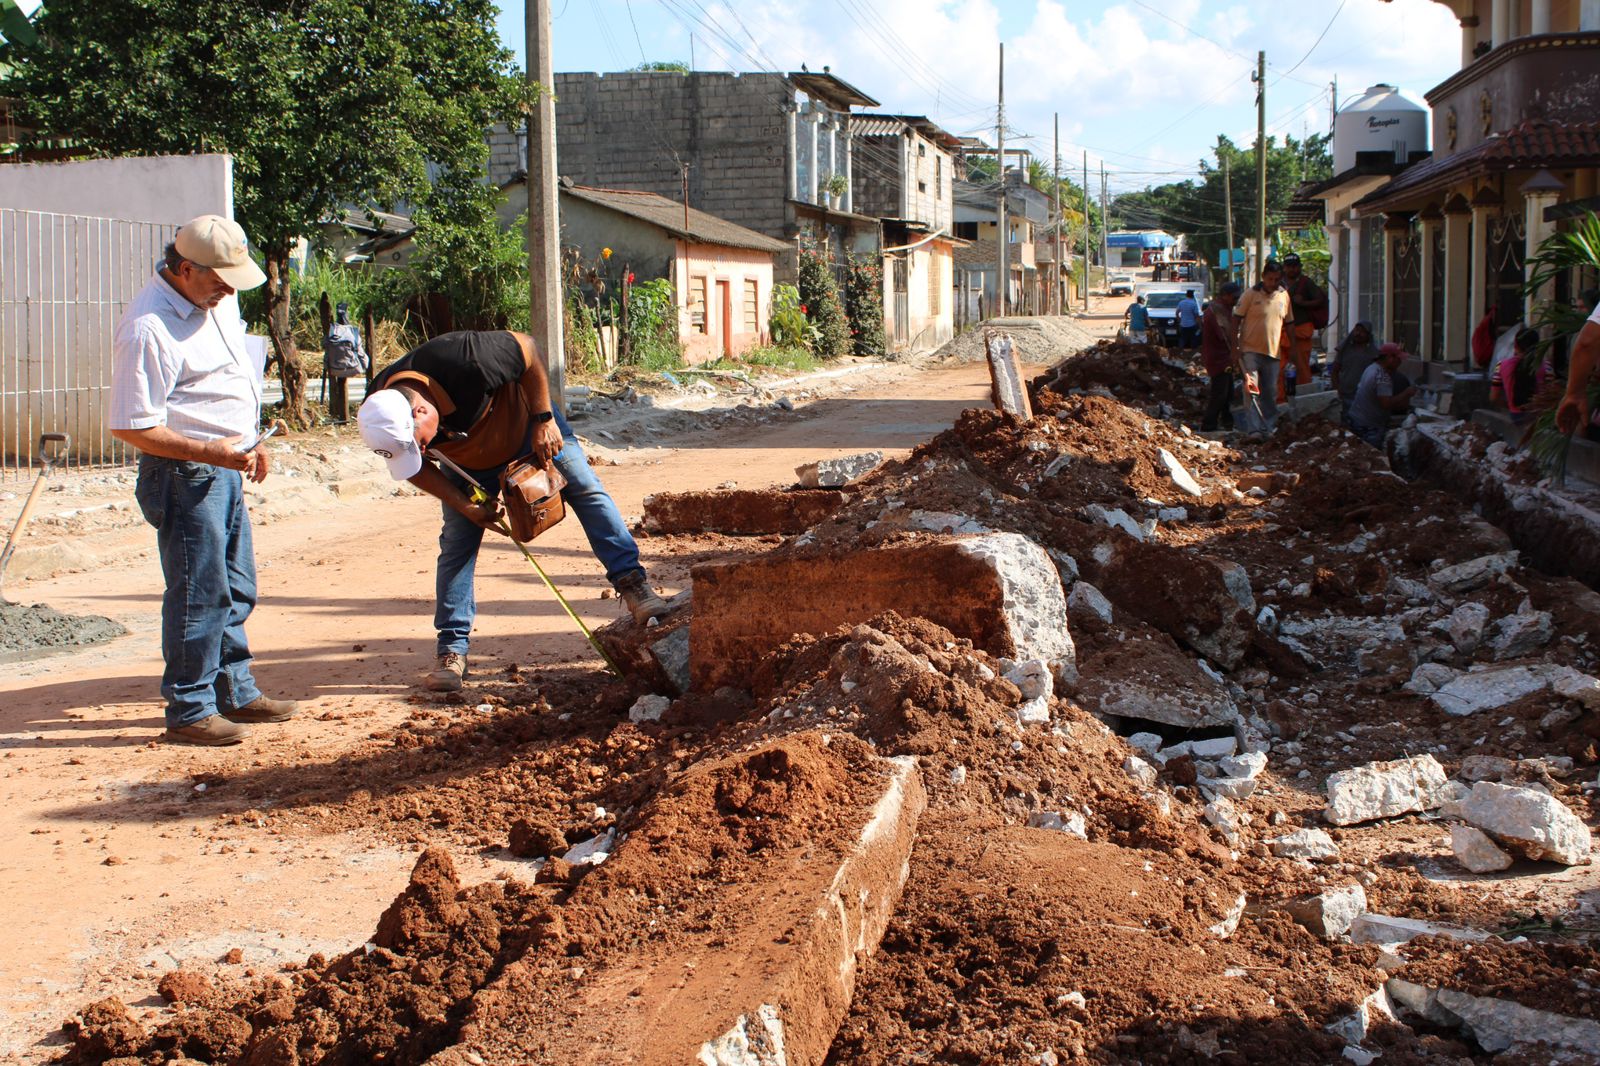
[(127, 856)]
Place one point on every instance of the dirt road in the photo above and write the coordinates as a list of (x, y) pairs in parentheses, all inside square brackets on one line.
[(127, 857)]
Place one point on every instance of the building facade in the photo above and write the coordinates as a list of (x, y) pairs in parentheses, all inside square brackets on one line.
[(977, 213)]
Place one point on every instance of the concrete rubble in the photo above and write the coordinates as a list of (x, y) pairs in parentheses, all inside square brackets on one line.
[(1329, 914), (1304, 844), (1528, 823), (837, 473), (1474, 850), (1385, 790), (1496, 1024)]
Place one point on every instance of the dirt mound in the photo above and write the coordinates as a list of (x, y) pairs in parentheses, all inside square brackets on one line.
[(1145, 376), (1040, 340), (28, 629)]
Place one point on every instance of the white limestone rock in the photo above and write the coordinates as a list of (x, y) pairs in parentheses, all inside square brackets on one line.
[(1222, 814), (1354, 1028), (1528, 823), (1032, 678), (1149, 743), (836, 473), (1304, 844), (1250, 764), (1473, 574), (1329, 914), (1497, 1024), (1573, 685), (1140, 771), (1464, 627), (1428, 678), (1180, 476), (1521, 634), (1486, 690), (1035, 608), (1085, 597), (1475, 851), (1230, 921), (1069, 822), (1116, 519), (1384, 790), (1372, 928), (648, 708)]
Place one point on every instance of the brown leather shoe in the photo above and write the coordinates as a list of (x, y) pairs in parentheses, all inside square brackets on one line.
[(264, 709), (447, 673), (213, 732), (640, 599)]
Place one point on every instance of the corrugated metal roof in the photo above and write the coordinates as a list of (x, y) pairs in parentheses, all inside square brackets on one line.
[(669, 215)]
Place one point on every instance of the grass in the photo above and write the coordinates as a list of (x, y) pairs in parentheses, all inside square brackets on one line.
[(797, 359)]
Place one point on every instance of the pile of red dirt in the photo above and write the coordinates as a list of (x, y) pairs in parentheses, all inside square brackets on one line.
[(1145, 376)]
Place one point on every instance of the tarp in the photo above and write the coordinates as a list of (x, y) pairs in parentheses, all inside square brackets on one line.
[(1150, 239)]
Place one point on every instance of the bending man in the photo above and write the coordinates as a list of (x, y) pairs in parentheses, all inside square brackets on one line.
[(483, 400)]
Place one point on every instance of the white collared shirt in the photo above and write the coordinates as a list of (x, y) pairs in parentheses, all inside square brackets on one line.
[(175, 365)]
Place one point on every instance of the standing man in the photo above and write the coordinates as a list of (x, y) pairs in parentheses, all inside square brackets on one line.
[(1137, 317), (1258, 321), (1188, 312), (1219, 353), (1376, 399), (482, 400), (185, 391), (1308, 307)]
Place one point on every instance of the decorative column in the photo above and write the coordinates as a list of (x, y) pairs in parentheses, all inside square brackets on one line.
[(1457, 277), (794, 155), (1396, 228), (1500, 21), (814, 120), (1432, 219), (849, 204), (1338, 290), (1485, 205), (1540, 192), (1539, 19), (1352, 234), (1469, 38)]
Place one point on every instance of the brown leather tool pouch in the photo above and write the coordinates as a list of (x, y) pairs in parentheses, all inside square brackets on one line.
[(532, 497)]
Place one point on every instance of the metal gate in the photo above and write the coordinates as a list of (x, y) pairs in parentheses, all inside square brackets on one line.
[(1507, 249), (902, 302), (1436, 284), (64, 282), (1407, 283)]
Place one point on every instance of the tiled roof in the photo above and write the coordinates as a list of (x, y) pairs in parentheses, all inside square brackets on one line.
[(1531, 146), (670, 216)]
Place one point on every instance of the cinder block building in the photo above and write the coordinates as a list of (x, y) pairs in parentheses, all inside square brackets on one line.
[(770, 152)]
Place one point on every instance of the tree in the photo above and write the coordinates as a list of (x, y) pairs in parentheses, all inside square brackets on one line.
[(321, 103), (464, 254), (662, 66), (863, 304), (820, 295)]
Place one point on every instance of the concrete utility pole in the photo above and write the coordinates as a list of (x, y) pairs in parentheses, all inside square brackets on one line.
[(1227, 199), (1261, 160), (1333, 104), (1086, 229), (1003, 278), (1105, 222), (1055, 282), (544, 221)]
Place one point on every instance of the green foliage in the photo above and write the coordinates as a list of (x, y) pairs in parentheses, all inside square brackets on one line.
[(863, 300), (788, 326), (1198, 207), (358, 285), (771, 356), (662, 66), (819, 296), (652, 338), (463, 254), (1311, 245), (1575, 249)]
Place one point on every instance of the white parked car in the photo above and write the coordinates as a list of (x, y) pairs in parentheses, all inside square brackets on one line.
[(1120, 285)]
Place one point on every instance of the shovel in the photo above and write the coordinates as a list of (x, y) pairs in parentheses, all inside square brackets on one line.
[(47, 460)]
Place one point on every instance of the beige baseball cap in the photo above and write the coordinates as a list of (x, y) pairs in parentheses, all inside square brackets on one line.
[(218, 243)]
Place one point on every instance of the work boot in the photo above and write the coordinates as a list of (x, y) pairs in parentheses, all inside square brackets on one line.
[(263, 709), (447, 672), (640, 599), (213, 732)]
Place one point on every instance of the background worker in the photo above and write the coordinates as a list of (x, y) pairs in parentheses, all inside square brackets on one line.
[(481, 399), (1137, 320), (1258, 321), (1378, 397), (1355, 353), (185, 391), (1220, 357), (1308, 307), (1573, 413), (1188, 315)]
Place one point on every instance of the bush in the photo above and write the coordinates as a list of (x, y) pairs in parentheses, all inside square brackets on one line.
[(652, 336), (863, 301), (788, 326), (819, 297)]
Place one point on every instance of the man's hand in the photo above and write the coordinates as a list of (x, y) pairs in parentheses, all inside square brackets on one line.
[(259, 464), (225, 453), (1573, 414), (486, 515), (547, 442)]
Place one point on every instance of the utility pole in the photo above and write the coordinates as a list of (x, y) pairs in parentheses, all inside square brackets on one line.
[(1004, 275), (1333, 104), (544, 223), (1227, 199), (1105, 222), (1055, 282), (1086, 230), (1261, 160)]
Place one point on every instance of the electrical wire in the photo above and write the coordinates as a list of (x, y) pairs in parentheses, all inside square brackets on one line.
[(1317, 42)]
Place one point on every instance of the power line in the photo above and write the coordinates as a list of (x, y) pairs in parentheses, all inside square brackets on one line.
[(1314, 44)]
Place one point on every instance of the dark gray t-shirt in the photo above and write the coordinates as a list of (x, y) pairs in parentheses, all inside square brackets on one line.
[(1366, 411)]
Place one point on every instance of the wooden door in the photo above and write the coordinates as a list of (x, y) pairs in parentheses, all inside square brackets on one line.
[(725, 316)]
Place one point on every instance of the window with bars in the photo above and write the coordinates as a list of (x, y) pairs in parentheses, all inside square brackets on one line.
[(752, 306), (697, 304)]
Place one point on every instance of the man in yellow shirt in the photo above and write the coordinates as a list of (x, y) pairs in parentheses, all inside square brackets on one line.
[(1258, 320)]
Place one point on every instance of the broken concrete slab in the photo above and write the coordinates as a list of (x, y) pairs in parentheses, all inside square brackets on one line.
[(1008, 389), (1521, 634), (998, 590), (837, 473), (1384, 790), (1472, 574), (1465, 626), (1085, 597), (1485, 690), (1372, 928), (1304, 844), (1528, 823), (648, 708), (1329, 914), (1198, 599), (1180, 474), (740, 512), (655, 656), (1153, 681), (1496, 1024), (1475, 851)]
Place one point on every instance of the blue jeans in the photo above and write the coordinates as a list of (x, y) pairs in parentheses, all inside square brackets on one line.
[(207, 558), (1261, 412), (454, 603)]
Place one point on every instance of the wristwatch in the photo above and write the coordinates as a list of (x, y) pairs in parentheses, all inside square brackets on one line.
[(543, 416)]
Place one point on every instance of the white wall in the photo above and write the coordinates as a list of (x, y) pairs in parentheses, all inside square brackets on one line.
[(164, 189)]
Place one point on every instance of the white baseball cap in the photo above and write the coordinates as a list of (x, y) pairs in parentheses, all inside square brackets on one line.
[(219, 243), (388, 429)]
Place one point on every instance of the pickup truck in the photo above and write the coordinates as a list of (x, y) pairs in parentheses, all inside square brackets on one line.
[(1162, 298)]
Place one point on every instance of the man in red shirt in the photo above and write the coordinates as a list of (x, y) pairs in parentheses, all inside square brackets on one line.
[(1218, 352)]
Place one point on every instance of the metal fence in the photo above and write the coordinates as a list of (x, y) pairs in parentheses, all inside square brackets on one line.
[(64, 282)]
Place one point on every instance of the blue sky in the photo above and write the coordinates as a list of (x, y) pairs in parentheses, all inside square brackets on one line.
[(1143, 85)]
